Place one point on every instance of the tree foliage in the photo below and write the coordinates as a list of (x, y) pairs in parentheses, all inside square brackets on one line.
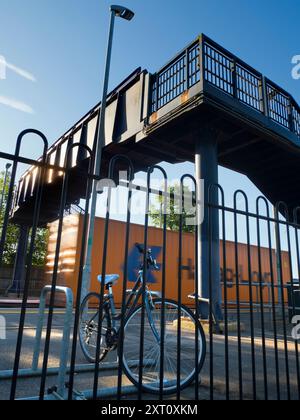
[(174, 208), (12, 235)]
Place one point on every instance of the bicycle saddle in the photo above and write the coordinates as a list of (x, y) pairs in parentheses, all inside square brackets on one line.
[(109, 279)]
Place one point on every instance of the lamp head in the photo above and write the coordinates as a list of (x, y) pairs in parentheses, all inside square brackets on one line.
[(8, 166), (122, 12)]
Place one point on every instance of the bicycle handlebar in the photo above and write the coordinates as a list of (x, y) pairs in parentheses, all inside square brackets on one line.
[(140, 248), (150, 260)]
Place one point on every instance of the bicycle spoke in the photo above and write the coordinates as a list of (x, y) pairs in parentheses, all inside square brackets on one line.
[(88, 330), (152, 350)]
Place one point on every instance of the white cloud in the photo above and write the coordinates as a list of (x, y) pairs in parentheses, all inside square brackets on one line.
[(2, 68), (21, 72), (13, 103)]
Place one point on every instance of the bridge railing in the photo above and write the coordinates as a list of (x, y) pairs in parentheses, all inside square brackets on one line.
[(176, 77), (296, 118), (207, 62)]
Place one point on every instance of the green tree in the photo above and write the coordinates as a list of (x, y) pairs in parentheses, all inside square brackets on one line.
[(12, 235), (40, 250), (173, 210)]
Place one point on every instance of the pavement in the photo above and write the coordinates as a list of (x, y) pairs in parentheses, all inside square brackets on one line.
[(212, 375), (17, 302)]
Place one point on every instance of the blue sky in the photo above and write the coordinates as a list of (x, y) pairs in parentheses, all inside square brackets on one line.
[(61, 46)]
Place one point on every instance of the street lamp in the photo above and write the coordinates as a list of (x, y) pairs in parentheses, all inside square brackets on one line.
[(7, 168), (124, 13)]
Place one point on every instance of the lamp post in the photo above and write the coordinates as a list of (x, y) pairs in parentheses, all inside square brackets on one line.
[(7, 167), (124, 13)]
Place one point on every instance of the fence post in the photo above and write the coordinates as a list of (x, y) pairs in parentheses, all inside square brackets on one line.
[(291, 119), (264, 94), (234, 79), (202, 60), (187, 69), (156, 92), (278, 256)]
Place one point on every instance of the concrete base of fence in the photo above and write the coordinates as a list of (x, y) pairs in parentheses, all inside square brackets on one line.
[(111, 392), (88, 395), (29, 373)]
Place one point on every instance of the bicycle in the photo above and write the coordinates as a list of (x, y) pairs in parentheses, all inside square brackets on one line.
[(110, 334)]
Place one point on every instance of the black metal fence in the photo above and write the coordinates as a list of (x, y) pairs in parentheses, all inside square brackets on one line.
[(251, 353)]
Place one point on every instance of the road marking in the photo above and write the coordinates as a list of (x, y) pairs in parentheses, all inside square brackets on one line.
[(17, 312)]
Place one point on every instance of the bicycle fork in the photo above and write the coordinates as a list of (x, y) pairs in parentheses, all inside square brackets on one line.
[(150, 307)]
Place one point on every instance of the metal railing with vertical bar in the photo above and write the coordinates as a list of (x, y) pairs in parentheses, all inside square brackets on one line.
[(228, 73), (160, 341)]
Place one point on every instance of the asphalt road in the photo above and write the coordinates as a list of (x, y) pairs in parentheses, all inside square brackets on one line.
[(30, 387), (84, 381)]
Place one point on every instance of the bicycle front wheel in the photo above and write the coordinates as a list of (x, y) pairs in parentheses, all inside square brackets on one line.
[(88, 330), (190, 329)]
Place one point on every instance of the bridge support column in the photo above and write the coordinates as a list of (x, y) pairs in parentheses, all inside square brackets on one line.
[(20, 261), (206, 173)]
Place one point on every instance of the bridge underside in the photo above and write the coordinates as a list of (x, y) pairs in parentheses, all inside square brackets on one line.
[(269, 162)]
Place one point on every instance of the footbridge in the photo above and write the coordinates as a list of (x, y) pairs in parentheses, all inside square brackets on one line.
[(205, 104)]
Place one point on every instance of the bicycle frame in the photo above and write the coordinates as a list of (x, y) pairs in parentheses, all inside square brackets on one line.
[(131, 304)]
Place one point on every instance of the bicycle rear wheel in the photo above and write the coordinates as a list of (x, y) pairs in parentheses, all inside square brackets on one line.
[(152, 348), (88, 330)]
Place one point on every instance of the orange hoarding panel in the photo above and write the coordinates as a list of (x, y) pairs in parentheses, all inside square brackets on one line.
[(240, 270)]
